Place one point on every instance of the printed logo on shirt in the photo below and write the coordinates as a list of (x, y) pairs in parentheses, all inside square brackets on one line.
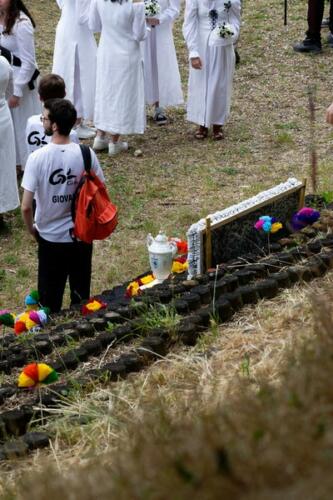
[(59, 177), (34, 139), (63, 198)]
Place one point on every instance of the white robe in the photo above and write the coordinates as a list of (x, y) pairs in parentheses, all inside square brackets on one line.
[(162, 78), (9, 198), (21, 43), (120, 102), (210, 89), (74, 56)]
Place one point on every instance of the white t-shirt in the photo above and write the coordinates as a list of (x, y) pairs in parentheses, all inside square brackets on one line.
[(52, 173), (36, 137)]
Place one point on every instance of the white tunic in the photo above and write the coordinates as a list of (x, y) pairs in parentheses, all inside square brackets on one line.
[(8, 185), (120, 102), (210, 89), (74, 56), (21, 43), (162, 78)]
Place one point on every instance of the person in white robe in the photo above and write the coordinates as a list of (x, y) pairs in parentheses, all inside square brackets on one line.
[(120, 100), (212, 62), (20, 42), (9, 198), (162, 78), (74, 60)]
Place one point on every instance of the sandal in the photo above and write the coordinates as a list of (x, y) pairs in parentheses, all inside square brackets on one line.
[(218, 134), (201, 133)]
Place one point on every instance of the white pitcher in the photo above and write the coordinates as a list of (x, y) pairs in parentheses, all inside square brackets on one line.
[(161, 253)]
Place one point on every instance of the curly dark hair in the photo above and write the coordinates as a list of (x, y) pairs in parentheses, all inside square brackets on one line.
[(15, 7)]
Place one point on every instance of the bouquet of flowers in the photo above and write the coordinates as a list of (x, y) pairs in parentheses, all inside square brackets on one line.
[(152, 8), (224, 30)]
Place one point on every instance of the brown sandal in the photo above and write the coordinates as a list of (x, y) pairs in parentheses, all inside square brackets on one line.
[(218, 134), (201, 133)]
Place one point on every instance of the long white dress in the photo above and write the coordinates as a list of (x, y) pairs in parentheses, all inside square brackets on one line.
[(162, 78), (21, 43), (120, 100), (9, 198), (74, 56), (210, 89)]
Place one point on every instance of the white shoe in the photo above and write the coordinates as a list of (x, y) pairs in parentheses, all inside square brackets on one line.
[(100, 143), (117, 147), (84, 132)]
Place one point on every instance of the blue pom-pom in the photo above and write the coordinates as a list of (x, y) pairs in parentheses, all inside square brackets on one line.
[(30, 301)]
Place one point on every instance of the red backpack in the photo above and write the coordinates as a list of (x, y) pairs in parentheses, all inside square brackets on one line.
[(95, 217)]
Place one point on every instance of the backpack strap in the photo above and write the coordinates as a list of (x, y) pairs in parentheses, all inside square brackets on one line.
[(86, 155), (85, 150)]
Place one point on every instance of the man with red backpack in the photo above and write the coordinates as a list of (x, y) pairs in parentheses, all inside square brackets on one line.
[(52, 175)]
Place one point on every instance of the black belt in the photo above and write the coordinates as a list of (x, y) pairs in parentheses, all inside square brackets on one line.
[(16, 61), (13, 60)]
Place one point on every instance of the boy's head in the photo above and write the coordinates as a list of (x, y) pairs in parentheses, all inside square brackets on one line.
[(59, 115), (51, 87)]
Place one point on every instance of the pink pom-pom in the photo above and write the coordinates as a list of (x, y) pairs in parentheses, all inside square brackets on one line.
[(33, 315), (259, 224), (305, 211)]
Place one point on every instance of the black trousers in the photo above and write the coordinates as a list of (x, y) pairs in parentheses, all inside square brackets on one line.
[(56, 263), (315, 17)]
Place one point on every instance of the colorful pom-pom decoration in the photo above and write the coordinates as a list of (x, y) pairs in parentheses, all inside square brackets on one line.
[(31, 321), (181, 245), (92, 306), (7, 318), (133, 288), (36, 374), (179, 265), (32, 300), (268, 224), (304, 217)]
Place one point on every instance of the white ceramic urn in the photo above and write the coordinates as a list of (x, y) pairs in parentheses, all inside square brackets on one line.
[(161, 253)]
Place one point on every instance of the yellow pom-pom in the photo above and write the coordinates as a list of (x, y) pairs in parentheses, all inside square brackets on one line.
[(93, 306), (147, 279), (43, 371), (25, 381), (276, 227), (30, 324), (179, 267)]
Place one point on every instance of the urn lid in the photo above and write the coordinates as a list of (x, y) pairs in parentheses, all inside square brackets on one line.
[(160, 244), (161, 237)]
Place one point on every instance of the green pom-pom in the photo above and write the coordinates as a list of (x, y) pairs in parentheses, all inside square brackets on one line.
[(53, 377), (7, 320), (35, 295)]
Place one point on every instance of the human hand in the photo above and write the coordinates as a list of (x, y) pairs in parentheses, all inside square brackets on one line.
[(34, 233), (153, 21), (196, 63), (14, 101), (329, 114)]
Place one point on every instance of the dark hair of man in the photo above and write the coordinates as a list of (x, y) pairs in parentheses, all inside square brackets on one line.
[(15, 7), (51, 87), (62, 113)]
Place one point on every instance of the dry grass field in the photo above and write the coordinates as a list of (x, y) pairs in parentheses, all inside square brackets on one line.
[(247, 413)]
